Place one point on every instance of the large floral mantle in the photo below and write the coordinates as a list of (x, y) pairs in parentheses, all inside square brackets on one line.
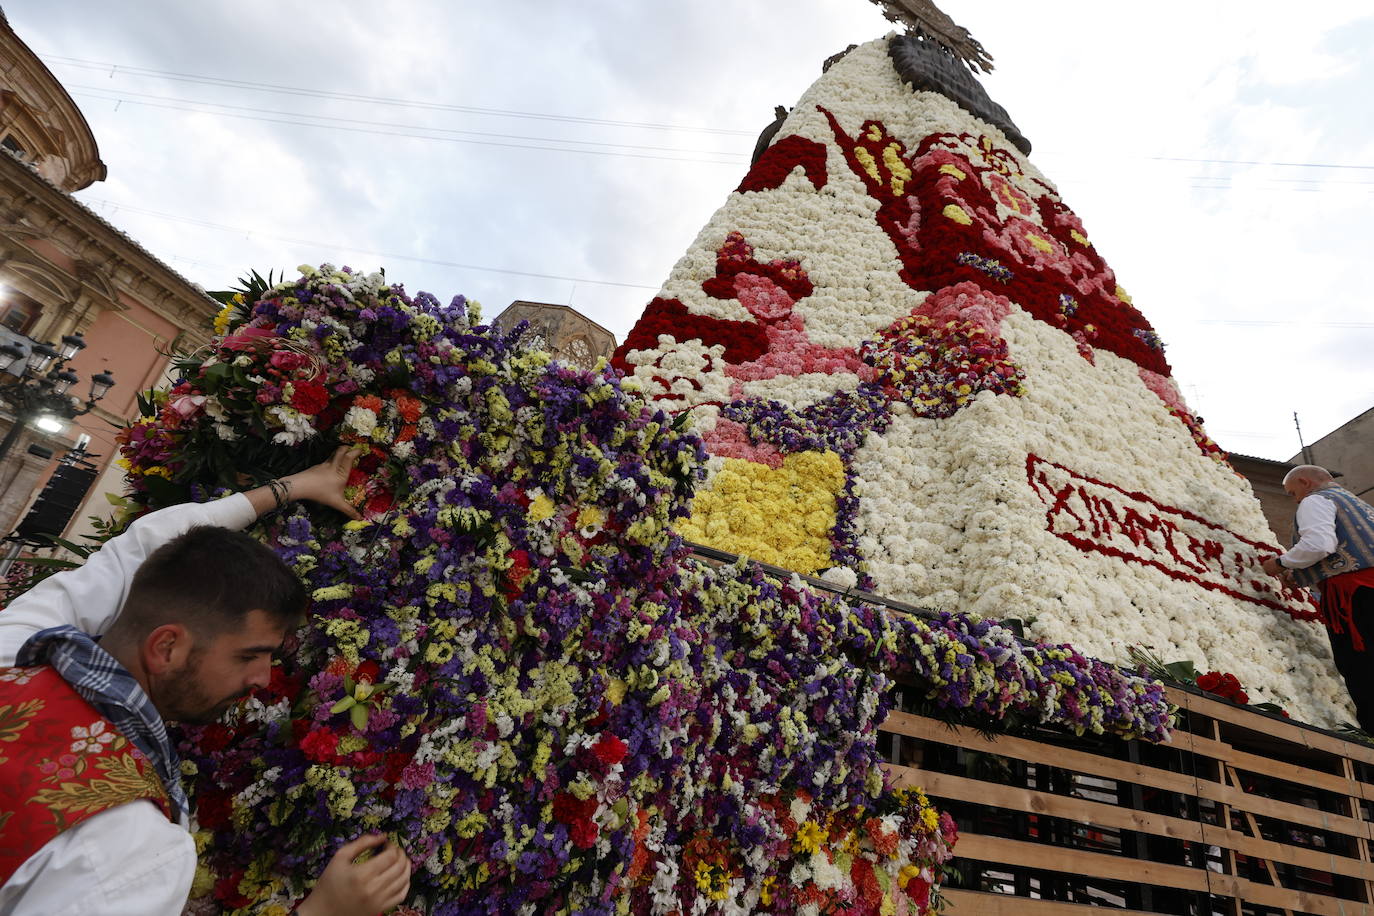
[(891, 316), (513, 665)]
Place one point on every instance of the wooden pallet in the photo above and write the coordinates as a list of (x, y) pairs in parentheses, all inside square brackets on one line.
[(1242, 814)]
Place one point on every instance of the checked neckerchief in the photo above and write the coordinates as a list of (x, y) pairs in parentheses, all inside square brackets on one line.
[(111, 689)]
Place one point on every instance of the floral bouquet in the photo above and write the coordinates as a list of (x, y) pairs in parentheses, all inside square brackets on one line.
[(512, 664)]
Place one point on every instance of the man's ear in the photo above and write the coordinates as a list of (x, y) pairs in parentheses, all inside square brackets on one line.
[(166, 648)]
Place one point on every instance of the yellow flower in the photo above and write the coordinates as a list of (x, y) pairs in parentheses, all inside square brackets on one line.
[(615, 691), (222, 319), (332, 592), (810, 837), (591, 517), (782, 516), (766, 891), (540, 508), (956, 213)]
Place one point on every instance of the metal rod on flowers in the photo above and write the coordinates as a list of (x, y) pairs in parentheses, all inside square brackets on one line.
[(713, 555)]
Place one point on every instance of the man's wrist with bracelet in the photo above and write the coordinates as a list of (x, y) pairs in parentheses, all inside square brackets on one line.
[(281, 492)]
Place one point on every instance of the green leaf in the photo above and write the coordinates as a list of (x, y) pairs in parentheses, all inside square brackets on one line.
[(50, 562), (1183, 671), (345, 703), (359, 716)]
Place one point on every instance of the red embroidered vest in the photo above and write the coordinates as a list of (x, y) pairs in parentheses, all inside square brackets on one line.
[(60, 763)]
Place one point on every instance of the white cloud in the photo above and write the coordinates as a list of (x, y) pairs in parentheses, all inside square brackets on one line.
[(1099, 88)]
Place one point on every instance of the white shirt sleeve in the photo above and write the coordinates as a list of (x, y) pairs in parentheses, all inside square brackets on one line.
[(1316, 533), (125, 861), (90, 597)]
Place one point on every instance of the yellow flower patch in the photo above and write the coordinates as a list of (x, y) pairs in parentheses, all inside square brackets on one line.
[(781, 516)]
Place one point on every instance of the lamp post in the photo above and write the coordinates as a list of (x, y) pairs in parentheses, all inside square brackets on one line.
[(43, 385)]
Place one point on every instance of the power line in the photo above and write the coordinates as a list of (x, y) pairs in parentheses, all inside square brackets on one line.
[(122, 95), (114, 68), (1259, 323), (391, 129), (390, 133), (369, 252), (1295, 165), (1202, 161)]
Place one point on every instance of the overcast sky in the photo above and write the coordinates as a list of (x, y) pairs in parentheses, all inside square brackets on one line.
[(1221, 154)]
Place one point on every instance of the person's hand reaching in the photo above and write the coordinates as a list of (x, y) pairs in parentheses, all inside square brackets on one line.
[(324, 483), (350, 888)]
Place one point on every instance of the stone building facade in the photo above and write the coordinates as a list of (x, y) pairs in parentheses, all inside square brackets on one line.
[(65, 270), (566, 332), (1350, 449)]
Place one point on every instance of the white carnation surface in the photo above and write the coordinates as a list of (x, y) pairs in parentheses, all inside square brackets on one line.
[(947, 518)]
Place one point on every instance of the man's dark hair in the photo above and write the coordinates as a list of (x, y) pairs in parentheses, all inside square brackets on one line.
[(208, 579)]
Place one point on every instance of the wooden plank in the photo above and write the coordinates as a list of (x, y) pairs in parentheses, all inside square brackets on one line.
[(904, 723), (1205, 747), (977, 903), (1296, 814), (1357, 812), (1274, 879), (1098, 814), (1094, 864), (1291, 772), (1277, 728), (1031, 801), (1138, 871)]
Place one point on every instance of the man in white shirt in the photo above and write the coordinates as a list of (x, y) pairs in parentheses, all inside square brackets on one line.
[(1334, 550), (188, 662)]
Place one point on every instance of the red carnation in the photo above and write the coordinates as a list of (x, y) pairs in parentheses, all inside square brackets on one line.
[(282, 685), (214, 737), (1240, 697), (396, 762), (517, 574), (1209, 681), (310, 398), (227, 891), (918, 889), (367, 672), (583, 834), (610, 750), (379, 503), (213, 809), (321, 745), (408, 407), (569, 809)]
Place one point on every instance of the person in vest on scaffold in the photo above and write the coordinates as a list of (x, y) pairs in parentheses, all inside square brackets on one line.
[(187, 613), (1333, 547)]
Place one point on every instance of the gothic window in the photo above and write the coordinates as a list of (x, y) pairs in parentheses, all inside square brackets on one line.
[(578, 352)]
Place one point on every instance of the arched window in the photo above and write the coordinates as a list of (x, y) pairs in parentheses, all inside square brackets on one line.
[(18, 312)]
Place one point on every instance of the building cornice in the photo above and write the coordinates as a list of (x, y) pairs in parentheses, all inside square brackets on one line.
[(69, 131), (108, 261)]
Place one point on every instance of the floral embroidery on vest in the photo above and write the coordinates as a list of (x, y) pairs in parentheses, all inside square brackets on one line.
[(60, 763)]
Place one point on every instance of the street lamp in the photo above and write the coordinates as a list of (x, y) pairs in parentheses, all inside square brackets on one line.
[(41, 387)]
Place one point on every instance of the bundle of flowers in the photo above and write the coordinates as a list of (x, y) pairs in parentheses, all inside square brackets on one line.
[(1222, 684), (509, 665), (513, 666)]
